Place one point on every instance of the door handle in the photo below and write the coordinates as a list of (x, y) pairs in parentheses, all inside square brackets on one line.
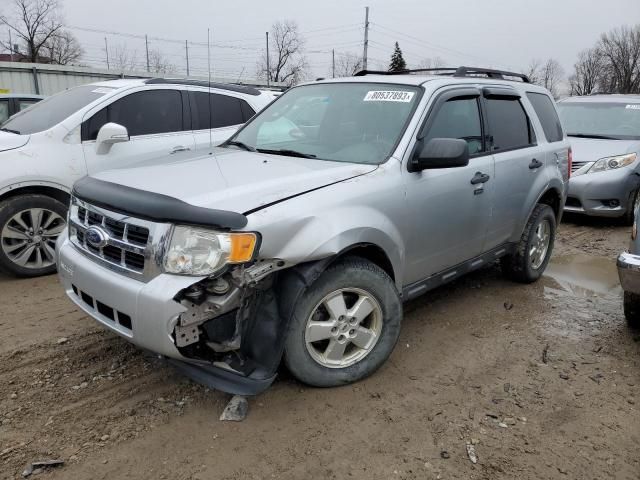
[(179, 148), (480, 177), (535, 163)]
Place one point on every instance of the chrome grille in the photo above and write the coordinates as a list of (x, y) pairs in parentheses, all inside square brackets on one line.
[(128, 247)]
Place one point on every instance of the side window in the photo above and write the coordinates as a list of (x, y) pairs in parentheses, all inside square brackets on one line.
[(509, 124), (4, 110), (145, 113), (247, 111), (543, 105), (226, 111), (459, 118), (25, 103), (94, 124)]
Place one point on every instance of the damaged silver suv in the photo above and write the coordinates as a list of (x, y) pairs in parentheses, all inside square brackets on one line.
[(301, 236)]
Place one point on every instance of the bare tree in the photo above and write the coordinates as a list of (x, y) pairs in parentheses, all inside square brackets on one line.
[(348, 64), (34, 23), (548, 74), (62, 48), (588, 72), (121, 58), (620, 49), (431, 62), (287, 63), (158, 63)]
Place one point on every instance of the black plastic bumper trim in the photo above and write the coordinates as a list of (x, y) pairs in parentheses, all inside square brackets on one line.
[(153, 206)]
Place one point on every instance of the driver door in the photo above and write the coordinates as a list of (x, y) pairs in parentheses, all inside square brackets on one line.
[(451, 209)]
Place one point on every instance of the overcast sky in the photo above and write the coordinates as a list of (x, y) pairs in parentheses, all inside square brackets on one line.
[(499, 33)]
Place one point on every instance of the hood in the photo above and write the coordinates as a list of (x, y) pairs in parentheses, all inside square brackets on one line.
[(234, 180), (592, 149), (11, 141)]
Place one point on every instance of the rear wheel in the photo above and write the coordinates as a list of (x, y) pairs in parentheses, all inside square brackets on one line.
[(29, 228), (632, 309), (533, 252), (345, 325)]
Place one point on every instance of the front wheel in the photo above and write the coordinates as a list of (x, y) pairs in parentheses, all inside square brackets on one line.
[(344, 326), (533, 251), (29, 227)]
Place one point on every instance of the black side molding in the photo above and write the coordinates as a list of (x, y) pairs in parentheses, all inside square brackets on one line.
[(153, 206)]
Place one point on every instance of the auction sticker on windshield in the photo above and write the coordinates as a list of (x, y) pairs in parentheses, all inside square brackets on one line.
[(635, 106), (388, 96)]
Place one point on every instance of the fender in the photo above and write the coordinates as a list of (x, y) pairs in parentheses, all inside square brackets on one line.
[(556, 185), (33, 183)]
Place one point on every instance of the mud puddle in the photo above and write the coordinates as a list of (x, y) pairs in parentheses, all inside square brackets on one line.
[(583, 276)]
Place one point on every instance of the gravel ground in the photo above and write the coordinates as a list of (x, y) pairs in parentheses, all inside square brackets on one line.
[(540, 381)]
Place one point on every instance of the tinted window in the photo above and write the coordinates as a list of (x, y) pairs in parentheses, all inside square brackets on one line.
[(458, 118), (4, 110), (225, 111), (247, 111), (145, 113), (54, 109), (543, 106), (509, 124), (92, 126)]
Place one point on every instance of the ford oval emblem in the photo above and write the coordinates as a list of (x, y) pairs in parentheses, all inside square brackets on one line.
[(96, 237)]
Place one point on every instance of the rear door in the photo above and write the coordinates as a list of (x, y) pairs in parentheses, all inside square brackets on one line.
[(223, 114), (517, 160), (450, 213), (158, 123)]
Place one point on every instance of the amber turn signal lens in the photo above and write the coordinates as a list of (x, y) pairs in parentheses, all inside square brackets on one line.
[(242, 247)]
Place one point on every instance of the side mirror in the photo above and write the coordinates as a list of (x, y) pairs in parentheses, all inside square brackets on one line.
[(440, 153), (109, 134)]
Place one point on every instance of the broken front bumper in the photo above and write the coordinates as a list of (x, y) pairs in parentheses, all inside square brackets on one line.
[(629, 272), (145, 314)]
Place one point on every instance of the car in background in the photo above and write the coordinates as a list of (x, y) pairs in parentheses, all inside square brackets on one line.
[(101, 126), (12, 103), (629, 273), (605, 137)]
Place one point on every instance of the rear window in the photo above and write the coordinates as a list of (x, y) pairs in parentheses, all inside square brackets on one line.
[(548, 116), (509, 124)]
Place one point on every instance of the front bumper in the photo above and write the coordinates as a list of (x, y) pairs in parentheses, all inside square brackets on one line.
[(629, 272), (591, 193), (143, 313)]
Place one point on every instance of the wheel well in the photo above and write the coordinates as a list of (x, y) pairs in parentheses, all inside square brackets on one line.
[(552, 198), (60, 195), (374, 254)]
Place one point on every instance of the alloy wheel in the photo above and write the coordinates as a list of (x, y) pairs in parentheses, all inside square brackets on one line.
[(540, 244)]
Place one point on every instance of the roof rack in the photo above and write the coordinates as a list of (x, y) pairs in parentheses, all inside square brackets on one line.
[(453, 72), (203, 83)]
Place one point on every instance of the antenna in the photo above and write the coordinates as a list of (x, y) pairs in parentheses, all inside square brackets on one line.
[(209, 71)]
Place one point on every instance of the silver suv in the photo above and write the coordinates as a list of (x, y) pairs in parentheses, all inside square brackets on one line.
[(303, 234)]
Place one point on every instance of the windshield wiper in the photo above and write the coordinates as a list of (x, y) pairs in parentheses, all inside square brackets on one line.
[(286, 152), (235, 143), (592, 135), (10, 131)]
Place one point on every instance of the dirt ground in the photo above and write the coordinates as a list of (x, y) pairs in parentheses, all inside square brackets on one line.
[(542, 380)]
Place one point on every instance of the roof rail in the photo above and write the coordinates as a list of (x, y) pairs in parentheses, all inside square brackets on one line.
[(248, 90), (454, 72)]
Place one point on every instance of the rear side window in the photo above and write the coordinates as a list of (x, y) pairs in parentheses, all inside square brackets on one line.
[(143, 113), (458, 118), (548, 116), (4, 110), (225, 110), (509, 124)]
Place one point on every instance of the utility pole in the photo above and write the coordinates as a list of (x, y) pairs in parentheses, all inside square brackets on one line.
[(333, 62), (186, 49), (268, 66), (106, 51), (146, 45), (10, 46), (366, 38)]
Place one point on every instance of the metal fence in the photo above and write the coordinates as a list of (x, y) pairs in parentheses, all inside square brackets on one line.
[(46, 79)]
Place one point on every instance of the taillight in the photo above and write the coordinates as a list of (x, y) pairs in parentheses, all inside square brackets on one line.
[(570, 162)]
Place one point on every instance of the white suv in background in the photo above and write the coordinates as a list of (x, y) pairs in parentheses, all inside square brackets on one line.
[(101, 126)]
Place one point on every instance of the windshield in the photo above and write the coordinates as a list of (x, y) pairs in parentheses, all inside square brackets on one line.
[(344, 122), (620, 121), (51, 111)]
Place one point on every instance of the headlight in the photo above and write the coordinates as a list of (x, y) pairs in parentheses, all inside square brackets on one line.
[(197, 251), (611, 163)]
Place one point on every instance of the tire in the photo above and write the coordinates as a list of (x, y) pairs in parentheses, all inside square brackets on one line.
[(523, 265), (356, 280), (634, 202), (26, 253), (632, 309)]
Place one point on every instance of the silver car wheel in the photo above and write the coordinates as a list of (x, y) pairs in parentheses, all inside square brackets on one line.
[(343, 328), (540, 244), (29, 237)]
